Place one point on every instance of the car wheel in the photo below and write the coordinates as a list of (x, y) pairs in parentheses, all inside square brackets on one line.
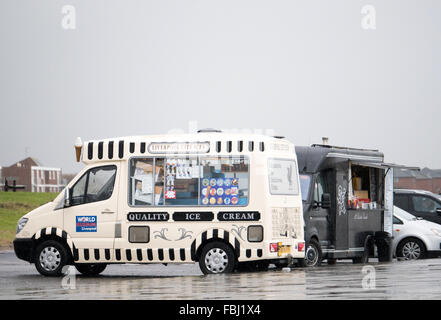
[(50, 258), (313, 254), (90, 269), (411, 249), (217, 257)]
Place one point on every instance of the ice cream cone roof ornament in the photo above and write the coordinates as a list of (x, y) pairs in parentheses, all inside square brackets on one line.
[(78, 147)]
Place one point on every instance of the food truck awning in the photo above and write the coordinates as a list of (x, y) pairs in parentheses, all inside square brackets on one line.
[(384, 165), (355, 157)]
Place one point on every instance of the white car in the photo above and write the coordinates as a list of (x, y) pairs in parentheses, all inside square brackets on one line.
[(415, 238)]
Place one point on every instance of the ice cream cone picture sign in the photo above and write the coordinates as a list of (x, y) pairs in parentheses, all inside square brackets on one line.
[(78, 146)]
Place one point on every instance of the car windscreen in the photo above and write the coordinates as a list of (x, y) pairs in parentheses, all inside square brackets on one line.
[(305, 182), (400, 213)]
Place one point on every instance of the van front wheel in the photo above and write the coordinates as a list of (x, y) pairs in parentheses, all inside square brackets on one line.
[(90, 269), (50, 258), (217, 257), (313, 254)]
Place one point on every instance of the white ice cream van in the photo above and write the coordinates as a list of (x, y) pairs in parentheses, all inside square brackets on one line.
[(223, 200)]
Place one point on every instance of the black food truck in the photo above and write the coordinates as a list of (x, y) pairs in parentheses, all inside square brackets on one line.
[(347, 198)]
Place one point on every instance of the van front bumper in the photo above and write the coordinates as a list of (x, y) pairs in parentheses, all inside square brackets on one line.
[(23, 248)]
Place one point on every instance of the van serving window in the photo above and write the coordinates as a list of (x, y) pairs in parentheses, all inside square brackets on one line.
[(283, 177), (189, 181)]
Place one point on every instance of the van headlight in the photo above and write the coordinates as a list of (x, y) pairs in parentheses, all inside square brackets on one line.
[(436, 232), (21, 223)]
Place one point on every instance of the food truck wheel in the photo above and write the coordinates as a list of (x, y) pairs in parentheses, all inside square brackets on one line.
[(217, 257), (90, 269), (383, 241), (363, 259), (313, 254), (50, 258), (411, 249)]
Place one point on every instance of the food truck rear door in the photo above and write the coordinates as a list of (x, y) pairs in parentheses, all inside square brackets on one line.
[(341, 216)]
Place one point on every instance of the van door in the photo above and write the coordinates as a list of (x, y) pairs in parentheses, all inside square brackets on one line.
[(319, 217), (340, 229), (91, 215)]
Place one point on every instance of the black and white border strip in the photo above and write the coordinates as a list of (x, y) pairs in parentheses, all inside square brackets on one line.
[(134, 255), (147, 255), (119, 149), (54, 231)]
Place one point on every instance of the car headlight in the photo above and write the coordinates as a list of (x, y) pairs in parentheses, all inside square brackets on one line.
[(21, 223), (436, 232)]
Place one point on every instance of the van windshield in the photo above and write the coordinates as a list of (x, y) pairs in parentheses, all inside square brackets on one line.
[(305, 181), (400, 213)]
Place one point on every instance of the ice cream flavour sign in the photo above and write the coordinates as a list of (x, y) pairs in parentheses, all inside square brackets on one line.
[(179, 147)]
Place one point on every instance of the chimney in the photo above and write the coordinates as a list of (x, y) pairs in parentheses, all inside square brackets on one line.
[(325, 141)]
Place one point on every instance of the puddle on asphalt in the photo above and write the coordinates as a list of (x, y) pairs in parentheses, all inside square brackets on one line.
[(398, 280)]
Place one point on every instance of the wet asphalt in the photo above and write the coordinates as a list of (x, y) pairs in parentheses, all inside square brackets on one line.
[(419, 279)]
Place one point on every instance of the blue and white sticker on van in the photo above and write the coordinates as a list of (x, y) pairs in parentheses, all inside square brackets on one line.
[(86, 223)]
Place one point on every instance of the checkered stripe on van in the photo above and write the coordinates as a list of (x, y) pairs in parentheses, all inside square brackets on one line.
[(134, 255), (54, 231)]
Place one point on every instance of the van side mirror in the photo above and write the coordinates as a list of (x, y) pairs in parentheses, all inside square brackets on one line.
[(66, 197), (438, 210), (326, 201)]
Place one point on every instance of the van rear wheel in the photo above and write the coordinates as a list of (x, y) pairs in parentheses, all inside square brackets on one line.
[(50, 258), (90, 269), (217, 257)]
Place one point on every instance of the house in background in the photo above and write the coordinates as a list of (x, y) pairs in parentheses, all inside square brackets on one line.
[(33, 176), (426, 179)]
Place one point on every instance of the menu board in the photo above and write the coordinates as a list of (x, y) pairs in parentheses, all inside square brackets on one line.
[(219, 191)]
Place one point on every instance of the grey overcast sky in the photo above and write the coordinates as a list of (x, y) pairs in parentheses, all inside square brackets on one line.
[(305, 69)]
